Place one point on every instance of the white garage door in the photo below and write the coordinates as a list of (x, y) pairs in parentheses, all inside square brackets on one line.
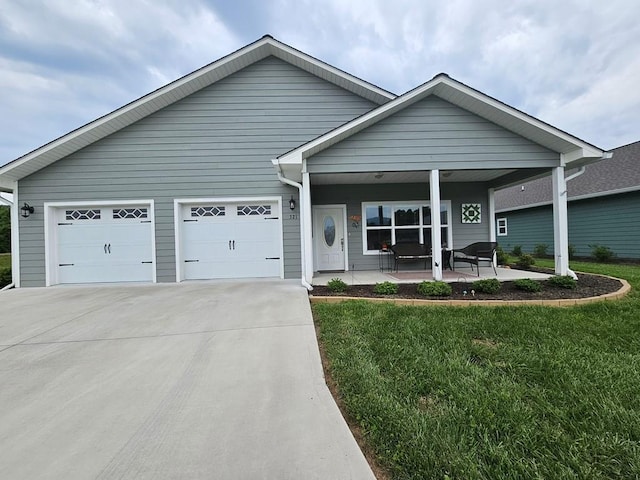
[(230, 240), (104, 244)]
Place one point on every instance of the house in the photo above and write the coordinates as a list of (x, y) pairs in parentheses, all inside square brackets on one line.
[(603, 208), (271, 163)]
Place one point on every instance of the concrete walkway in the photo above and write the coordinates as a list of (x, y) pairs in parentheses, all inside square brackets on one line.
[(193, 381)]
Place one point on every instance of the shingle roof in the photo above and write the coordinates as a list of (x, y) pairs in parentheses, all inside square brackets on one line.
[(617, 174)]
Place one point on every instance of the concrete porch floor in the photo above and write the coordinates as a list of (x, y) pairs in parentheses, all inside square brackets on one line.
[(371, 277)]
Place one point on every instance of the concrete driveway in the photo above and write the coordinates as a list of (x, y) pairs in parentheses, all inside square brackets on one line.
[(181, 381)]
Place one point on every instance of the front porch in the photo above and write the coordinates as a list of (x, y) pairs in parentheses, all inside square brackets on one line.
[(371, 277)]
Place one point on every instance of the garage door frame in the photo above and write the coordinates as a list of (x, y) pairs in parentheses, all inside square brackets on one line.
[(178, 203), (50, 231)]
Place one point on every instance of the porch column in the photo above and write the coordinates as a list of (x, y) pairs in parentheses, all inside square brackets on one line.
[(492, 222), (436, 235), (560, 222), (305, 210)]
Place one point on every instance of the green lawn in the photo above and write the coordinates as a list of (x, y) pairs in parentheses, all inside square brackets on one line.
[(5, 260), (493, 393)]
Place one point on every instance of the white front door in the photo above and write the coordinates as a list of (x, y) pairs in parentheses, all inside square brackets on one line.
[(329, 238)]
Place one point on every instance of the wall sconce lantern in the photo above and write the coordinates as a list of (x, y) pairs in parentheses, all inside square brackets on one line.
[(292, 203), (26, 210)]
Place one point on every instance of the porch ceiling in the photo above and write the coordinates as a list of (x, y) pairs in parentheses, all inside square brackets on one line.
[(407, 177)]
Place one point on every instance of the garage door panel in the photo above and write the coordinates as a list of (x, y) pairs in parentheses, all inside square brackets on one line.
[(114, 247), (242, 243)]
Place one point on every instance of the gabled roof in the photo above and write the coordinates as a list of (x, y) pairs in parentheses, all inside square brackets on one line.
[(474, 101), (618, 174), (179, 89)]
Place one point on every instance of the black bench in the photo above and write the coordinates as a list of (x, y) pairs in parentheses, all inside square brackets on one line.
[(476, 253), (403, 252)]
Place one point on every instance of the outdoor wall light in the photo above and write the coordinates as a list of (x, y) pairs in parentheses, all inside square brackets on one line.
[(26, 210), (292, 203)]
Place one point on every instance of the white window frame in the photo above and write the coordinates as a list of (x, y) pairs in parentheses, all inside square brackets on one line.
[(420, 227), (501, 227)]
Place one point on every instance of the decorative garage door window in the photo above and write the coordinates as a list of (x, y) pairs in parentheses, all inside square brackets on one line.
[(244, 210), (93, 214), (471, 213), (130, 213), (208, 211)]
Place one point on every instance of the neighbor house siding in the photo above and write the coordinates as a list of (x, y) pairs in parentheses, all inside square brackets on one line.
[(218, 142), (354, 195), (610, 221), (428, 135)]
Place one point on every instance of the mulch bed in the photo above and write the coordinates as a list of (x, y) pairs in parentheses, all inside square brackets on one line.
[(588, 286)]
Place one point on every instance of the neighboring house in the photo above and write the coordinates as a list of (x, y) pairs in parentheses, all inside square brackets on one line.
[(603, 208), (271, 163)]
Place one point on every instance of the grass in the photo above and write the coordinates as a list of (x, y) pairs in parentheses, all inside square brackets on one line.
[(5, 260), (486, 393)]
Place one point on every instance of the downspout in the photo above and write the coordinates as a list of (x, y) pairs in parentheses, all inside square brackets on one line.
[(287, 181), (7, 287), (580, 171)]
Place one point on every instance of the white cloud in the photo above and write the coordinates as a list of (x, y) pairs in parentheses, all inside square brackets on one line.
[(572, 63)]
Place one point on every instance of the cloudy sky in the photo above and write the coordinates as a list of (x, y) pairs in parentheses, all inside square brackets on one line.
[(574, 64)]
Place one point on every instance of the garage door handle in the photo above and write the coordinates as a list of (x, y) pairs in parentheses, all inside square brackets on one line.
[(146, 262), (109, 249), (105, 248), (234, 244), (65, 264), (191, 261), (229, 244), (272, 258)]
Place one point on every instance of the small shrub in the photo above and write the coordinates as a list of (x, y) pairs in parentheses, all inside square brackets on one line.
[(525, 261), (540, 250), (572, 250), (490, 285), (527, 285), (337, 285), (601, 253), (5, 277), (562, 281), (385, 288), (517, 250), (434, 289), (501, 256)]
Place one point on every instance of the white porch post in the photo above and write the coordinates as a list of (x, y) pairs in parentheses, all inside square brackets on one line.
[(560, 222), (15, 238), (306, 219), (436, 235), (492, 221)]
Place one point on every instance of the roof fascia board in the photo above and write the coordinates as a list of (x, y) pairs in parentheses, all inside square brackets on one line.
[(4, 201), (589, 150), (170, 93), (429, 88), (279, 48)]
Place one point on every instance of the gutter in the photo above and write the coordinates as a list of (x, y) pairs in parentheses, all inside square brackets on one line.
[(286, 181)]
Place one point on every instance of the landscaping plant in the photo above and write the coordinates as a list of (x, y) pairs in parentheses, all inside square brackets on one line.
[(489, 285), (562, 281), (540, 250), (525, 261), (336, 285), (385, 288), (517, 250), (527, 285), (601, 253), (501, 256), (434, 289)]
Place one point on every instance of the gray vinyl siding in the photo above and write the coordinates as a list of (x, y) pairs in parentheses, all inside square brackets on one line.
[(218, 142), (432, 134), (610, 221), (354, 195)]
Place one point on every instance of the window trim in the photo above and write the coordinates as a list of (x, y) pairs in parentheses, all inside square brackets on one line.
[(392, 204), (501, 223)]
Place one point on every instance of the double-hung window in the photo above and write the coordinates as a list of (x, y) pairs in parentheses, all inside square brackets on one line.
[(388, 223)]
